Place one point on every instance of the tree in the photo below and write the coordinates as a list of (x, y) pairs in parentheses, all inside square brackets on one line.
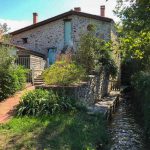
[(12, 77), (135, 31), (5, 58), (94, 53), (135, 44)]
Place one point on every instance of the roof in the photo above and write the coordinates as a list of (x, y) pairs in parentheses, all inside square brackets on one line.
[(31, 52), (105, 19)]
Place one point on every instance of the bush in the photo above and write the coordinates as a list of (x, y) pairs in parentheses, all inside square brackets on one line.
[(20, 74), (41, 102), (11, 80), (63, 73), (141, 84)]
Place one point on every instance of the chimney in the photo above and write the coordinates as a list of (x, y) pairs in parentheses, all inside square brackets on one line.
[(35, 18), (102, 11), (77, 9)]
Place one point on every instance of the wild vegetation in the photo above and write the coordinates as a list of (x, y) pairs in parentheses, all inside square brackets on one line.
[(134, 35), (72, 131), (94, 53), (12, 77), (41, 102), (63, 73), (53, 121)]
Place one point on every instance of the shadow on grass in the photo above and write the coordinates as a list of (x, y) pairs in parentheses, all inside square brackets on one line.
[(74, 131)]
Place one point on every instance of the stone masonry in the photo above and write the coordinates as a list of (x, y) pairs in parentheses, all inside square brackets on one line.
[(87, 93), (51, 35)]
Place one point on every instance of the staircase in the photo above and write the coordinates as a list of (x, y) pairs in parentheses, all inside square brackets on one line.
[(38, 80)]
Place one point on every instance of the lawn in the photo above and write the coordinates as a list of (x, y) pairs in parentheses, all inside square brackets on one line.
[(71, 131)]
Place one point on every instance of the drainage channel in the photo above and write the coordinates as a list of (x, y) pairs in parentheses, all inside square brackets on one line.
[(125, 132)]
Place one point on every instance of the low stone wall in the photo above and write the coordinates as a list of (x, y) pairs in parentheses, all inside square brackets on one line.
[(87, 93), (107, 106)]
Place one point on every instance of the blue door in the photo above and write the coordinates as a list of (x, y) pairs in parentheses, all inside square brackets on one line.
[(52, 56), (68, 32)]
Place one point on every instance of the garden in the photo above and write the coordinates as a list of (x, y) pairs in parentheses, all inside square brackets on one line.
[(45, 119)]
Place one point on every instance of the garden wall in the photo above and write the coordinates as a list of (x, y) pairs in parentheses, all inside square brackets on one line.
[(88, 92)]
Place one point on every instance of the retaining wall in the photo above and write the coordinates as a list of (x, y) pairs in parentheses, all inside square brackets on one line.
[(87, 92)]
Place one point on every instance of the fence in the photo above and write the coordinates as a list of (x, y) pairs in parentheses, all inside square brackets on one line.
[(114, 85), (34, 65), (25, 61)]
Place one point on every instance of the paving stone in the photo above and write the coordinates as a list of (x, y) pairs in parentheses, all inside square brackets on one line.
[(7, 106)]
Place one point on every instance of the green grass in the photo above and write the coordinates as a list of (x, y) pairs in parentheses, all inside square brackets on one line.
[(73, 131)]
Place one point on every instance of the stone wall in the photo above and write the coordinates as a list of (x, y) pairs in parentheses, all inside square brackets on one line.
[(80, 24), (37, 64), (87, 92), (51, 35), (42, 38)]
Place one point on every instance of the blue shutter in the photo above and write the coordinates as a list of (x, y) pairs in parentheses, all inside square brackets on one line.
[(52, 55), (68, 32)]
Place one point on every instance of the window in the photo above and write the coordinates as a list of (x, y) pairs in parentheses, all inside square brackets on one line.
[(91, 27), (25, 40)]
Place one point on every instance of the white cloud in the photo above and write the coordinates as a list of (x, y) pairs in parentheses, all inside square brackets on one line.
[(15, 24)]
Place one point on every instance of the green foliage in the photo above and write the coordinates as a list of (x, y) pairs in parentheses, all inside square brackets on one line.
[(41, 102), (135, 30), (19, 73), (69, 131), (141, 84), (6, 60), (11, 80), (94, 52), (63, 73), (7, 84), (135, 45)]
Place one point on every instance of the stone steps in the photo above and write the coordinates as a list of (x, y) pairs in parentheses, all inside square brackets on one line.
[(38, 81)]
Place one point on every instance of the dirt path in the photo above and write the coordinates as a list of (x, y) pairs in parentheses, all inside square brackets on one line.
[(7, 106)]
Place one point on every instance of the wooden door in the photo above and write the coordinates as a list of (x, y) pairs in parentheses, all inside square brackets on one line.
[(52, 55)]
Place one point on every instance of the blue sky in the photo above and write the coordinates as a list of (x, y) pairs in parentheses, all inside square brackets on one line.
[(18, 13)]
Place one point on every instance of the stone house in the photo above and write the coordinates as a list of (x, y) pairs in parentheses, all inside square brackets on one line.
[(52, 36), (60, 33), (29, 59)]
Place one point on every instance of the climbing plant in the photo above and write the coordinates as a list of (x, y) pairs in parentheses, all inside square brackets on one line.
[(94, 53)]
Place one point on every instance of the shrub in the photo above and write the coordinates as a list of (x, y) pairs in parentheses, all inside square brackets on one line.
[(11, 80), (41, 102), (20, 74), (7, 84), (63, 73), (141, 84)]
